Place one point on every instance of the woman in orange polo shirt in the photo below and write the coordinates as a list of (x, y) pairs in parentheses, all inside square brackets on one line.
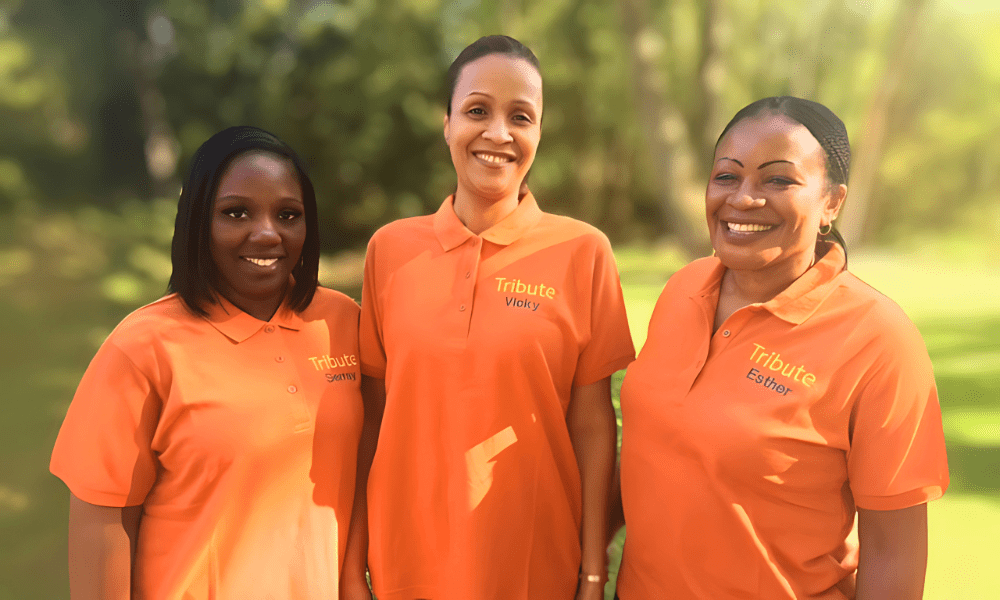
[(210, 448), (494, 328), (777, 397)]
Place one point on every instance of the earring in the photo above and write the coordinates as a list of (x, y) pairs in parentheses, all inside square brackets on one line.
[(829, 228)]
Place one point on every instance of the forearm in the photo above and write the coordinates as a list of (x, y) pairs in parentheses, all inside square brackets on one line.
[(356, 554), (893, 553), (591, 422), (101, 550), (616, 510)]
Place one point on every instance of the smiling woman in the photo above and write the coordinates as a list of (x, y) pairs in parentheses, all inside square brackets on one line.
[(493, 329), (798, 398), (211, 446)]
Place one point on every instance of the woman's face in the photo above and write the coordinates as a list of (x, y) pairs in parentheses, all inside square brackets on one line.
[(258, 230), (495, 125), (768, 195)]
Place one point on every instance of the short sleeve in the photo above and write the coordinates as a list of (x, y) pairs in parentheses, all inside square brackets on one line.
[(373, 360), (610, 346), (104, 449), (897, 456)]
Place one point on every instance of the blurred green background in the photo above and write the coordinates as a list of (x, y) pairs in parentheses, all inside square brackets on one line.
[(102, 104)]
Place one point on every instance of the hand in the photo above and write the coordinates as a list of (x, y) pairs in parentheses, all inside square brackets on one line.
[(355, 589), (590, 590)]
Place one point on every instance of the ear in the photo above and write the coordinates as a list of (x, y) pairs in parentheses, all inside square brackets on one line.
[(446, 128), (834, 202)]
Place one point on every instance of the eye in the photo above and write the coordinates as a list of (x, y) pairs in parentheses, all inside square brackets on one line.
[(289, 215), (724, 177), (780, 181), (236, 212), (523, 118), (477, 111)]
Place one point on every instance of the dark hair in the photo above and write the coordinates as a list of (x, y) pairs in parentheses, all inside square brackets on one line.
[(484, 46), (190, 253), (825, 126)]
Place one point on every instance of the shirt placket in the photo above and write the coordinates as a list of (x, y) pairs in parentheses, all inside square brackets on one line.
[(288, 377), (468, 272)]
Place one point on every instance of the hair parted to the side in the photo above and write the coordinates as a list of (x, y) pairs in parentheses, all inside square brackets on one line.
[(194, 271), (485, 46), (822, 123)]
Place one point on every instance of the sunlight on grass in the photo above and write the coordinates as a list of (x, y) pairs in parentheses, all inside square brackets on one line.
[(964, 548), (973, 427)]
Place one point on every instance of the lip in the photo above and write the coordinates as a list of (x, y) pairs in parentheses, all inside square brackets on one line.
[(741, 237), (251, 259), (510, 158)]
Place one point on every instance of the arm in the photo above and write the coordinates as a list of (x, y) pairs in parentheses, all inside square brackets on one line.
[(352, 583), (592, 431), (893, 553), (101, 550), (616, 510)]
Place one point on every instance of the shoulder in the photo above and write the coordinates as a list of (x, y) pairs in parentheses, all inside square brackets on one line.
[(403, 231), (142, 334), (881, 316), (693, 275), (326, 301), (560, 229), (154, 319), (571, 226)]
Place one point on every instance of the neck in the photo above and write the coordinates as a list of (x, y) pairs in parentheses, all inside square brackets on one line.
[(479, 214), (258, 309), (756, 287)]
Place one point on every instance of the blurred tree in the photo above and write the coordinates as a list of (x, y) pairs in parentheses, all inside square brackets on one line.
[(105, 102)]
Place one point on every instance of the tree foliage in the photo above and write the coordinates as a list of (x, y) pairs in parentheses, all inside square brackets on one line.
[(104, 102)]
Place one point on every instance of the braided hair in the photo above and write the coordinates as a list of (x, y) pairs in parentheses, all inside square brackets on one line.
[(825, 126)]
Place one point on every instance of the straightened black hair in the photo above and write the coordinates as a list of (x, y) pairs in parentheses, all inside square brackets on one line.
[(485, 46), (190, 253), (825, 126)]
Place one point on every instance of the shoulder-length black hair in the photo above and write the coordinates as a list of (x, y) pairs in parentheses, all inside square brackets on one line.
[(194, 272)]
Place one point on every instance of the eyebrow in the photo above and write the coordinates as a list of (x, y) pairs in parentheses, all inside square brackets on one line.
[(772, 162), (515, 101), (732, 159)]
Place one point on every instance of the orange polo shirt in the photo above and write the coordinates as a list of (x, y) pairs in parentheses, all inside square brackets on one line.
[(475, 489), (746, 451), (237, 436)]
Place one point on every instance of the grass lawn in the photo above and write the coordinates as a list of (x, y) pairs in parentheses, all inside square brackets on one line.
[(51, 328), (957, 309)]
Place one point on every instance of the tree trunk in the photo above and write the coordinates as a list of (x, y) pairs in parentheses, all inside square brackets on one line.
[(667, 139), (857, 223)]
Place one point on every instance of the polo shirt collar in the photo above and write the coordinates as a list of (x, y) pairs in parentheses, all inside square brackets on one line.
[(803, 297), (240, 326), (452, 233)]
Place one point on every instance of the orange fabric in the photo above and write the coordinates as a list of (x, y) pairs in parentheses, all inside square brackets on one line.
[(475, 489), (745, 452), (238, 437)]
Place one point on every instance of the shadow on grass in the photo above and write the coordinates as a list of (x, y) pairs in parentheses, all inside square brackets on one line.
[(966, 358)]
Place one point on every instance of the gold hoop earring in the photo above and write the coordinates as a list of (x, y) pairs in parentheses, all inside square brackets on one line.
[(829, 228)]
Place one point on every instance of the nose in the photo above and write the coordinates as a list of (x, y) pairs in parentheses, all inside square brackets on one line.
[(496, 131), (265, 232), (745, 198)]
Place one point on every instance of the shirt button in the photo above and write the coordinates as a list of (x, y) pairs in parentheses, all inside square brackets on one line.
[(725, 333), (279, 358), (292, 389), (461, 307), (269, 328)]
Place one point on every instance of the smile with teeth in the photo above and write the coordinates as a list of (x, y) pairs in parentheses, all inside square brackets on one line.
[(492, 158), (748, 227), (261, 262)]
